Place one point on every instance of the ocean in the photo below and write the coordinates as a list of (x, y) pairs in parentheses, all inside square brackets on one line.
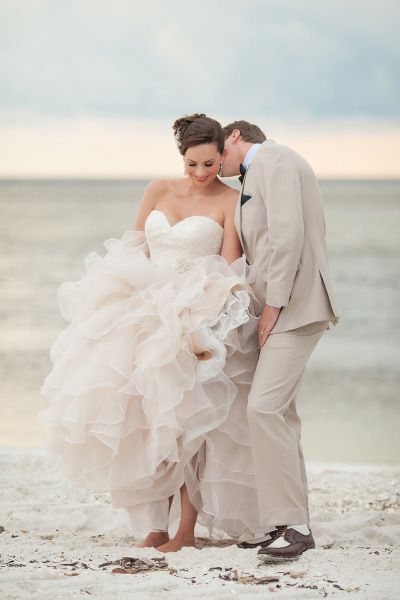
[(349, 402)]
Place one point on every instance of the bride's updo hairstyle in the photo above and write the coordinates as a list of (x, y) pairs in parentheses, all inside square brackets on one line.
[(193, 130)]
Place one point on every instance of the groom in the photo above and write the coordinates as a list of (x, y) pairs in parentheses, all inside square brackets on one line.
[(281, 225)]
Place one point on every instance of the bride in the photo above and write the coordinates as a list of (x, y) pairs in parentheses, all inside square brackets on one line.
[(150, 379)]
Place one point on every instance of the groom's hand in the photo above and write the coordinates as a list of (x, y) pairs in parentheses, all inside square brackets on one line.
[(268, 318)]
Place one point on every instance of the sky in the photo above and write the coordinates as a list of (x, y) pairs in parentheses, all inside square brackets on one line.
[(91, 87)]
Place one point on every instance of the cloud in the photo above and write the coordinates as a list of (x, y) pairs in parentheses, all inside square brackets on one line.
[(157, 59)]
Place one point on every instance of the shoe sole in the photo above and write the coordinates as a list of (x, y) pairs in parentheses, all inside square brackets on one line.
[(265, 558), (277, 559)]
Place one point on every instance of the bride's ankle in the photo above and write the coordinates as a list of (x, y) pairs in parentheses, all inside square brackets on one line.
[(185, 538)]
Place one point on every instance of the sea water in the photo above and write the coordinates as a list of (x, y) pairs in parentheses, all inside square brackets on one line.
[(349, 402)]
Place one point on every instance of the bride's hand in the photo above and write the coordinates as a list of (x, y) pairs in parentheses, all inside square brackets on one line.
[(205, 355)]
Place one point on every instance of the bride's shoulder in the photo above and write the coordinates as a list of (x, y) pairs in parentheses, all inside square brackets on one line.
[(228, 199), (229, 195), (156, 186), (161, 186), (230, 192)]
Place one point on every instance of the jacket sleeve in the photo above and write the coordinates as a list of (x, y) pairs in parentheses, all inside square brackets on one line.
[(282, 196)]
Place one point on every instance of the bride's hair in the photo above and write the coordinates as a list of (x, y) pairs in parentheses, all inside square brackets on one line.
[(196, 129)]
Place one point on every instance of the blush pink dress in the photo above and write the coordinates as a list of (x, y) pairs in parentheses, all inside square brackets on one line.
[(131, 408)]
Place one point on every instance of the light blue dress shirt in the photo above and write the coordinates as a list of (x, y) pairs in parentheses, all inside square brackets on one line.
[(252, 151)]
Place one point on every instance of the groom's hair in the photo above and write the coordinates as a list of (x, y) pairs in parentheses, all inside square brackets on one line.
[(249, 132)]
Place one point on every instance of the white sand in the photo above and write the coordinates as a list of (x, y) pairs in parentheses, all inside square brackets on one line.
[(55, 538)]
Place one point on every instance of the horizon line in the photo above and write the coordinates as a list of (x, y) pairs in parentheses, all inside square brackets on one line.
[(116, 178)]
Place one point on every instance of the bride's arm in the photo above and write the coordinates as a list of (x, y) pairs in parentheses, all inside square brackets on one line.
[(231, 247), (148, 203)]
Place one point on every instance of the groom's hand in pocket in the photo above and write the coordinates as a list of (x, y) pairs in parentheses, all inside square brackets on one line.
[(268, 318)]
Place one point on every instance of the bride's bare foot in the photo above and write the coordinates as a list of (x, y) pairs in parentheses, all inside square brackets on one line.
[(176, 544), (154, 539)]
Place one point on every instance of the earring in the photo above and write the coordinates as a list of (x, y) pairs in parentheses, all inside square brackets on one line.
[(220, 169)]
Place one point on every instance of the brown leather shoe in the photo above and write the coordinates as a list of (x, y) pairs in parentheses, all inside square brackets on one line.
[(298, 543), (269, 538)]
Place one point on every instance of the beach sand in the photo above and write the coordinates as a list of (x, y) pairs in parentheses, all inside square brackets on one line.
[(56, 542)]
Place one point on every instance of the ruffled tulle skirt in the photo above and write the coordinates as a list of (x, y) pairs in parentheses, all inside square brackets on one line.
[(131, 408)]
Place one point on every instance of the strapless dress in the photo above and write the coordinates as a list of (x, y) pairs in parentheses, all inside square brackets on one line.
[(131, 408)]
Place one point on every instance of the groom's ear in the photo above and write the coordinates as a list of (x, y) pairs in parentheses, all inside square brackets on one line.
[(235, 135)]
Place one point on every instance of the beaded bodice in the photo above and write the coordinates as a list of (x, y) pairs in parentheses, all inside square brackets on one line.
[(181, 244)]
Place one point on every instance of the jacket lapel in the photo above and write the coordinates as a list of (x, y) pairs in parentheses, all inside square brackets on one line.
[(238, 213), (238, 219)]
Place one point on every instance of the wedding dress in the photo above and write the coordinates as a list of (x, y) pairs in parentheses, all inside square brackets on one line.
[(132, 410)]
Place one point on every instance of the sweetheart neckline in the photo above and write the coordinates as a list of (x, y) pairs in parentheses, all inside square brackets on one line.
[(186, 218)]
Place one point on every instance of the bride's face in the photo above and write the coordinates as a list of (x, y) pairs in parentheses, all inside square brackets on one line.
[(202, 163)]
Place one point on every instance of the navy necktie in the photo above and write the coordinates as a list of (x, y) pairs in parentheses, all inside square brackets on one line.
[(242, 172)]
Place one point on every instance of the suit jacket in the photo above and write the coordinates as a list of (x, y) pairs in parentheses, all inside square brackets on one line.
[(281, 225)]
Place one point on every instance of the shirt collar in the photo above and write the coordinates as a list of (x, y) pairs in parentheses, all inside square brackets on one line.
[(252, 151)]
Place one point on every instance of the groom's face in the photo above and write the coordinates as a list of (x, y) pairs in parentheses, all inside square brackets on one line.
[(231, 157)]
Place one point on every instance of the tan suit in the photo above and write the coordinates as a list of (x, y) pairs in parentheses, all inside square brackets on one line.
[(282, 228)]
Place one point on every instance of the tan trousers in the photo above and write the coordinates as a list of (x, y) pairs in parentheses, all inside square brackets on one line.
[(275, 426)]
